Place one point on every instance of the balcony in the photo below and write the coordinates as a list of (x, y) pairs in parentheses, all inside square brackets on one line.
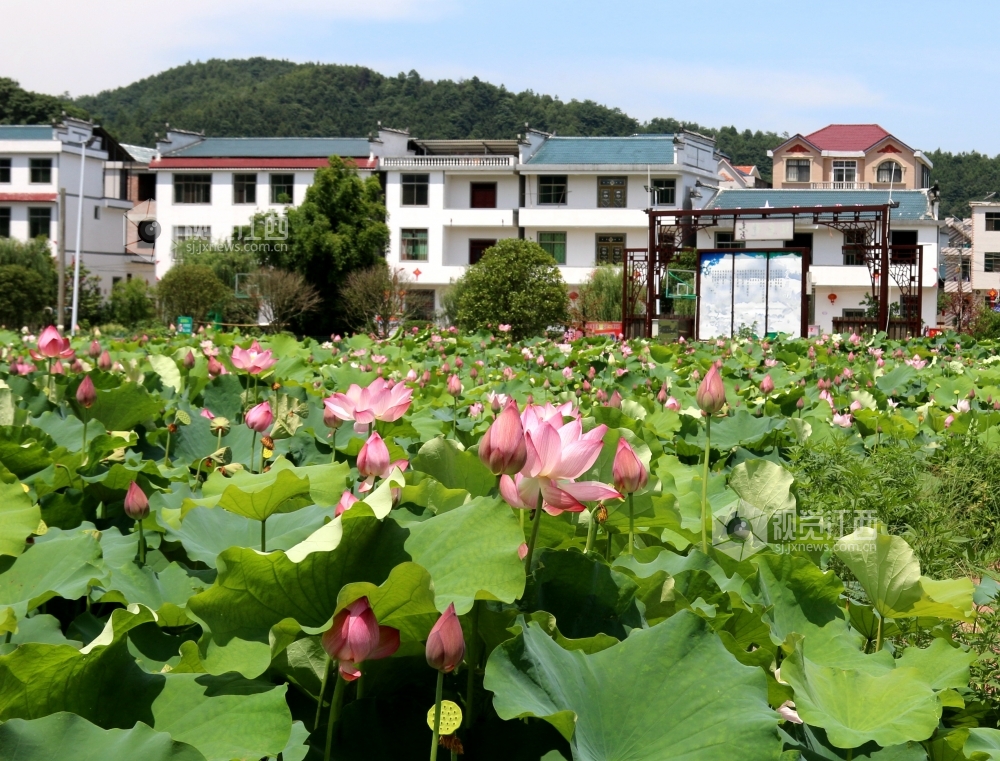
[(897, 329), (471, 163), (841, 186)]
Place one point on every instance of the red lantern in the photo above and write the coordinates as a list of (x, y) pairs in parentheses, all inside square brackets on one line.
[(832, 297)]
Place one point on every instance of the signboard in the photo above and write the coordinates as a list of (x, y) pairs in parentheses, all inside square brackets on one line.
[(185, 325), (750, 291), (603, 328), (764, 229)]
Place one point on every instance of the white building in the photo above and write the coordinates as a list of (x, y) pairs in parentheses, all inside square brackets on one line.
[(581, 198), (39, 161)]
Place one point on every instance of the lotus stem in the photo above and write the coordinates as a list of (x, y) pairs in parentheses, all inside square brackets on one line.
[(536, 521), (470, 688), (631, 523), (591, 531), (197, 475), (878, 635), (142, 545), (322, 691), (253, 448), (335, 704), (83, 449), (704, 485), (263, 535), (166, 451), (437, 715), (218, 441)]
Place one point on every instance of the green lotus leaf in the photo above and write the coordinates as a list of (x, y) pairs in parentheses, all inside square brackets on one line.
[(855, 706), (25, 450), (69, 737), (259, 496), (404, 601), (456, 468), (255, 591), (59, 564), (800, 598), (887, 569), (19, 518), (982, 740), (941, 665), (39, 628), (763, 484), (697, 703), (167, 369), (206, 531), (471, 553), (123, 407), (742, 428), (326, 482), (424, 491), (805, 743)]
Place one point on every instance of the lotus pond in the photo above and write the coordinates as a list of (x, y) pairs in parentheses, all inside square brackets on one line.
[(454, 545)]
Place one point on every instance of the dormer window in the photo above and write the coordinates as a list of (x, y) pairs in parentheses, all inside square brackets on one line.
[(889, 171), (797, 170)]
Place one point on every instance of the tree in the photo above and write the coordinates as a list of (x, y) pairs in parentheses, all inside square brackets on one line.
[(515, 283), (130, 302), (600, 297), (23, 297), (375, 299), (339, 227), (190, 289), (283, 296)]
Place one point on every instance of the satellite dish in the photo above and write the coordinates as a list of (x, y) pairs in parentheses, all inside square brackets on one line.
[(141, 229)]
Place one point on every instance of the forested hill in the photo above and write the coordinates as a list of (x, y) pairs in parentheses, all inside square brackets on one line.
[(265, 97)]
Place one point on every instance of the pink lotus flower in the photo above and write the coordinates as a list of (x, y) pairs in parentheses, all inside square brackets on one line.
[(948, 421), (522, 551), (260, 417), (207, 414), (855, 405), (253, 360), (770, 363), (844, 421), (51, 345), (346, 500), (86, 394), (711, 395), (672, 404), (557, 454), (630, 475), (766, 385), (827, 397), (189, 359), (962, 406), (502, 448), (355, 636), (95, 350), (363, 406), (475, 409), (917, 363), (374, 462), (446, 644), (615, 400), (454, 386), (216, 368), (788, 713), (136, 504)]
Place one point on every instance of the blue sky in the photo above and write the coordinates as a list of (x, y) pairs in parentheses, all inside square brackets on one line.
[(922, 70)]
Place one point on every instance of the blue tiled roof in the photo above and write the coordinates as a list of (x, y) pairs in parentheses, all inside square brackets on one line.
[(140, 152), (638, 149), (276, 147), (25, 132), (913, 204)]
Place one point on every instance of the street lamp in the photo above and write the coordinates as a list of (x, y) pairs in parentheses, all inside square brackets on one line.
[(79, 233)]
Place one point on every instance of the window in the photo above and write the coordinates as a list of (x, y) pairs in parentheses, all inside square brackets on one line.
[(483, 195), (925, 177), (908, 307), (115, 280), (244, 188), (41, 171), (889, 171), (182, 233), (854, 314), (797, 170), (993, 221), (855, 247), (725, 240), (420, 303), (966, 269), (147, 187), (97, 212), (991, 260), (664, 192), (192, 188), (555, 244), (413, 246), (477, 248), (39, 222), (415, 189), (282, 188), (552, 189), (610, 248), (612, 192), (845, 171), (5, 171), (5, 222)]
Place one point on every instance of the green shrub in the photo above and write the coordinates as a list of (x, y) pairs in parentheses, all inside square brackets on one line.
[(515, 283), (191, 289), (24, 295), (130, 302)]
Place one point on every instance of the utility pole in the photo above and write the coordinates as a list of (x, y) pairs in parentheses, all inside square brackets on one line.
[(79, 233), (61, 299)]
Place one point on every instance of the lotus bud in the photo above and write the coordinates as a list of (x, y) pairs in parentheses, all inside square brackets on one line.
[(662, 395), (767, 385), (86, 394), (615, 400), (58, 369), (711, 395), (446, 644), (136, 504), (801, 403), (502, 448), (445, 368), (459, 363), (602, 395), (352, 637), (346, 500), (189, 360), (454, 385), (77, 366), (330, 419), (426, 377), (672, 404), (629, 473), (104, 363), (95, 350), (215, 367), (411, 376), (373, 459), (259, 418)]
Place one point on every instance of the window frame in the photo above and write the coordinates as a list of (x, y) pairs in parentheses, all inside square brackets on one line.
[(546, 244), (992, 221), (34, 218), (187, 185), (5, 217), (5, 171), (481, 185), (404, 248), (551, 184), (241, 183), (611, 244), (853, 249), (274, 184), (657, 191), (416, 188), (854, 313), (728, 245), (606, 198), (483, 248), (44, 166), (799, 164), (991, 261), (892, 180), (845, 165)]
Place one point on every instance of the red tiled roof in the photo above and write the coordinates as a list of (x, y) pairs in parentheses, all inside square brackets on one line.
[(27, 196), (847, 137), (253, 163), (743, 168)]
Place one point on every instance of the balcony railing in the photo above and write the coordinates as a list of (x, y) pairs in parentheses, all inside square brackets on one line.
[(448, 162), (841, 186), (898, 328)]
